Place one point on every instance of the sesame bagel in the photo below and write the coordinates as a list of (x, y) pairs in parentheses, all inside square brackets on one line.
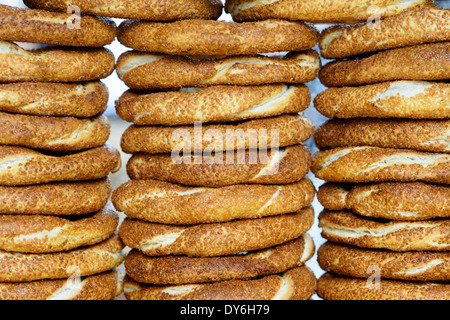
[(355, 262), (212, 104), (295, 284), (282, 131), (154, 10), (47, 234), (196, 37), (334, 287), (44, 65), (54, 99), (182, 270), (403, 201), (23, 166), (420, 135), (216, 239), (346, 227), (60, 198), (421, 62), (413, 27), (54, 133), (373, 164), (103, 286), (309, 10), (163, 202), (397, 99), (84, 261), (39, 26), (145, 71), (286, 165)]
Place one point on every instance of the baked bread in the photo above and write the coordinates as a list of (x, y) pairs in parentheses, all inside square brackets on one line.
[(199, 37), (401, 201), (212, 104), (373, 164), (422, 62), (215, 239), (163, 202), (283, 166), (281, 131), (295, 284), (145, 71)]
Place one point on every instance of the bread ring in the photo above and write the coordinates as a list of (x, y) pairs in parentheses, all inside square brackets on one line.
[(162, 202), (196, 37), (54, 133), (38, 26), (168, 10), (47, 234), (55, 198), (398, 99), (283, 166), (181, 270), (103, 286), (413, 27), (144, 71), (348, 228), (212, 104), (409, 201), (420, 135), (334, 287), (421, 62), (355, 262), (22, 166), (372, 164), (216, 239), (44, 65), (84, 261), (282, 131), (294, 284), (310, 10)]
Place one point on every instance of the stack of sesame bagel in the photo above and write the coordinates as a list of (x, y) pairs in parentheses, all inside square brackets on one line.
[(58, 235), (218, 203), (384, 155)]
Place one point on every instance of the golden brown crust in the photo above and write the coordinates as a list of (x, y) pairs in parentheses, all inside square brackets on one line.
[(373, 164), (212, 104), (44, 65), (103, 286), (23, 166), (409, 201), (326, 12), (54, 133), (162, 202), (422, 62), (283, 166), (397, 99), (295, 284), (282, 131), (333, 287), (144, 71), (420, 135), (355, 262), (84, 261), (216, 239), (39, 26), (55, 99), (167, 10), (48, 234), (182, 270), (417, 26), (346, 227), (62, 199), (196, 37)]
